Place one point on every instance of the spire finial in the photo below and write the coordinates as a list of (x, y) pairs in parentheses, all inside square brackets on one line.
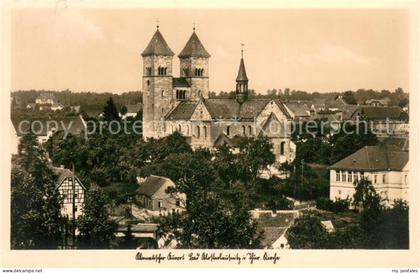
[(242, 50), (157, 23), (193, 25)]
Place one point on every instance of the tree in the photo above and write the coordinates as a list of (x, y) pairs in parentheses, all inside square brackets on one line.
[(307, 233), (95, 227), (36, 220), (123, 110), (110, 111), (349, 97)]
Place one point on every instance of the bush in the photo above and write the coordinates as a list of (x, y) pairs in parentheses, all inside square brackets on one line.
[(279, 204), (339, 205)]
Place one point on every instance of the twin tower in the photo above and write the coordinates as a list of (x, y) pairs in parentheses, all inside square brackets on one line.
[(162, 92)]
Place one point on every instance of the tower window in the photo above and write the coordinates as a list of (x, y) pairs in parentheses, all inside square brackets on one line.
[(205, 131), (180, 94), (250, 130), (228, 130), (162, 71), (162, 93), (148, 71), (198, 131), (282, 147), (199, 72), (243, 130), (179, 128)]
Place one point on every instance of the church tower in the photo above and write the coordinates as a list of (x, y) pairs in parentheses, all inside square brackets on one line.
[(241, 81), (157, 85), (194, 66)]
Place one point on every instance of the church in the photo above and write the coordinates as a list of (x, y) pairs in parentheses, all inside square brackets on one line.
[(183, 104)]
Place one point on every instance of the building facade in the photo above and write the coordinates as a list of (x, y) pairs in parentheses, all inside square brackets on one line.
[(386, 168), (182, 103)]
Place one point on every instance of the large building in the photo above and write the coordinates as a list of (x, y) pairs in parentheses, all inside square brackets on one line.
[(182, 103), (386, 167)]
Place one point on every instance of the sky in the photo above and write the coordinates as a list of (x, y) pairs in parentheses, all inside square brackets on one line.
[(320, 50)]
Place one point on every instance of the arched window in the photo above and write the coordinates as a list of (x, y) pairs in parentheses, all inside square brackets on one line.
[(165, 71), (148, 82), (188, 130), (228, 130), (148, 71), (243, 130), (250, 130), (198, 131), (162, 94), (205, 131), (179, 128), (184, 94), (282, 147), (159, 70)]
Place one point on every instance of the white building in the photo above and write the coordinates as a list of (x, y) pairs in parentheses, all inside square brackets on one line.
[(386, 167)]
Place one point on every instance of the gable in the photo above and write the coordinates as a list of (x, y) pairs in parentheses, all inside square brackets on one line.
[(272, 107), (273, 127), (201, 112)]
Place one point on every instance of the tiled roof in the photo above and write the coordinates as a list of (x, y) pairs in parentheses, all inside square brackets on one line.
[(134, 108), (183, 111), (194, 48), (180, 82), (379, 112), (63, 173), (271, 235), (298, 109), (152, 184), (374, 158), (157, 46), (225, 109), (42, 125)]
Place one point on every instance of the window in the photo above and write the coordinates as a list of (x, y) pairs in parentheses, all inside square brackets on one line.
[(148, 71), (148, 82), (350, 177), (339, 192), (188, 130), (243, 130), (375, 178), (198, 131), (178, 203), (205, 131), (181, 94), (199, 72), (343, 176), (282, 148), (179, 128), (337, 176), (384, 178), (228, 130), (162, 94), (250, 130), (160, 204), (356, 177), (162, 71)]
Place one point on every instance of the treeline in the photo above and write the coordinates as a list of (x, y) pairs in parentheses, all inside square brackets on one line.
[(88, 101), (396, 97)]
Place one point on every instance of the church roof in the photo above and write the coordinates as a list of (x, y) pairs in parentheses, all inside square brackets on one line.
[(374, 158), (157, 46), (225, 109), (242, 72), (194, 48), (180, 82)]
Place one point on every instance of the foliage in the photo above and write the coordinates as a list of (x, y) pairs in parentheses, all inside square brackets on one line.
[(307, 233), (96, 230), (339, 205), (110, 111), (349, 97), (36, 220)]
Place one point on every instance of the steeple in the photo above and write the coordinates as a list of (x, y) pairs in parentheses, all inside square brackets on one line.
[(157, 46), (194, 48), (242, 80)]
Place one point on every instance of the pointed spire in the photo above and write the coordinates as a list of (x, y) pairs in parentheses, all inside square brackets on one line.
[(242, 72), (157, 45), (194, 48)]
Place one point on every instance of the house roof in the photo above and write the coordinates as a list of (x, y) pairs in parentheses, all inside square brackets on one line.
[(152, 184), (157, 46), (374, 158), (298, 109), (271, 235), (194, 48), (180, 82), (134, 108), (267, 219), (242, 72), (42, 125), (63, 173), (378, 112), (223, 108)]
